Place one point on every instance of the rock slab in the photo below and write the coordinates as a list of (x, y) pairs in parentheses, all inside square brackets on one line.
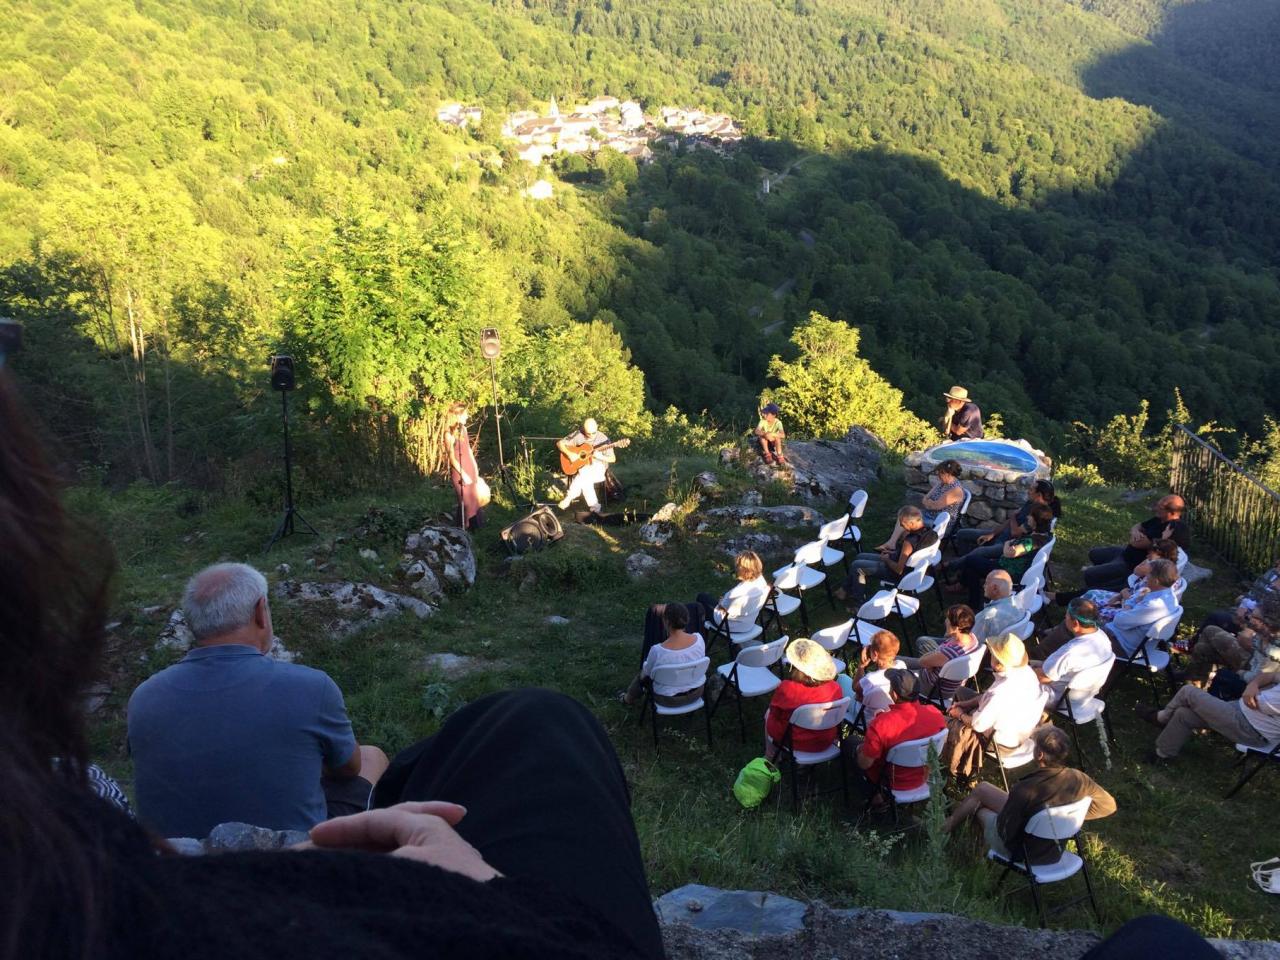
[(640, 565), (438, 558), (834, 469), (356, 605), (786, 516), (177, 636)]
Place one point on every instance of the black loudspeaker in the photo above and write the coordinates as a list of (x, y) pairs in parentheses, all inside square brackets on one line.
[(282, 373), (538, 530)]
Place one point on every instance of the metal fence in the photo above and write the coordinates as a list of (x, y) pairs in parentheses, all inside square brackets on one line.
[(1231, 511)]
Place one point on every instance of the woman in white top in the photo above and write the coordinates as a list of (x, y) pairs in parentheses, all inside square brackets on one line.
[(743, 603), (680, 647), (1006, 712), (869, 685)]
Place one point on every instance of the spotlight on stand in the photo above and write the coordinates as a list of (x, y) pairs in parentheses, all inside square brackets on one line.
[(490, 349), (11, 338), (282, 379)]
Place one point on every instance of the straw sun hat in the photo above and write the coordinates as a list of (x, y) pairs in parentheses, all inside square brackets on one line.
[(811, 660), (957, 393), (1008, 649)]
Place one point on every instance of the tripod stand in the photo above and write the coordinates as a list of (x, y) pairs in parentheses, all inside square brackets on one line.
[(290, 511)]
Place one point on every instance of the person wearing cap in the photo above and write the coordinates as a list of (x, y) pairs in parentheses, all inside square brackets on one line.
[(962, 419), (906, 719), (1005, 713), (1088, 647), (811, 678), (770, 433), (1004, 816)]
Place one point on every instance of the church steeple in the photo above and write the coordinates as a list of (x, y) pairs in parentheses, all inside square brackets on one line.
[(555, 111)]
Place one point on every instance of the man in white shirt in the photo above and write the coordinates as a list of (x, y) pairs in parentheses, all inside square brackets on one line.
[(1001, 612), (585, 480), (1129, 627), (1254, 719), (1088, 647)]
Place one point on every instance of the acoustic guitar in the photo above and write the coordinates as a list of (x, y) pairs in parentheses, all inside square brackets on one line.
[(583, 453)]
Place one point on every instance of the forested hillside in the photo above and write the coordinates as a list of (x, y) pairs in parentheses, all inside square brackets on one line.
[(1068, 206)]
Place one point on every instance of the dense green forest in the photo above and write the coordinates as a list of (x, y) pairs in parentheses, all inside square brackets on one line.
[(1068, 206)]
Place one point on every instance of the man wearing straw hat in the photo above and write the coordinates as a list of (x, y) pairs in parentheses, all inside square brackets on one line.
[(963, 419)]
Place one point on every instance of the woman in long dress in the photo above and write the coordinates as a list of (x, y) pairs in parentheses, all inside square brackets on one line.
[(462, 468)]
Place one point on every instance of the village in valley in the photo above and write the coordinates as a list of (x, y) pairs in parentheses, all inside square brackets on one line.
[(604, 122)]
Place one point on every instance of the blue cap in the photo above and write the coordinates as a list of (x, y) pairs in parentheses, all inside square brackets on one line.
[(771, 408)]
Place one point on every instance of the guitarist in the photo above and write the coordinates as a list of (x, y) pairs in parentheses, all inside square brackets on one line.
[(585, 480)]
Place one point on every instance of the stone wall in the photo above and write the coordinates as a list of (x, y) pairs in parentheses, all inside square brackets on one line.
[(997, 494)]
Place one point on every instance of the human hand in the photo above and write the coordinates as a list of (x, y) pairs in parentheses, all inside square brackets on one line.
[(416, 831), (985, 539), (1250, 695)]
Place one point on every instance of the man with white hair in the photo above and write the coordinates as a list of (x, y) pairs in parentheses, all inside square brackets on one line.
[(598, 452), (230, 734)]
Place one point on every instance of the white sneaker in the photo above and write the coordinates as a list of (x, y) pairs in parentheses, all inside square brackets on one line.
[(564, 504)]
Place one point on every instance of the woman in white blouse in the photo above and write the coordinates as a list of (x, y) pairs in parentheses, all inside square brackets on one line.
[(680, 647), (742, 604)]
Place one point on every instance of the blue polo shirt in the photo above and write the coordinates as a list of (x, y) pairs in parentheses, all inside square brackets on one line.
[(231, 734)]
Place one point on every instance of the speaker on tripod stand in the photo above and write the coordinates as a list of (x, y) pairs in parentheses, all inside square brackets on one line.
[(282, 379)]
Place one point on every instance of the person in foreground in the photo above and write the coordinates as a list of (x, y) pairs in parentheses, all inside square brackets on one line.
[(1003, 816), (506, 834), (812, 679), (230, 734), (1253, 720)]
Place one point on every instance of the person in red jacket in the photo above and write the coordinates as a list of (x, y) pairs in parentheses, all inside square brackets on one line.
[(908, 719), (812, 679)]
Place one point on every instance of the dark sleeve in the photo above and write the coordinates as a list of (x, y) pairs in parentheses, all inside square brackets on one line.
[(1182, 535), (973, 421)]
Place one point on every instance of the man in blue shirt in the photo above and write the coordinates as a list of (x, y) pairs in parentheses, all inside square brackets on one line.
[(230, 734)]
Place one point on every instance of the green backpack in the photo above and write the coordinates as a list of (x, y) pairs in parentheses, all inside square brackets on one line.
[(754, 782)]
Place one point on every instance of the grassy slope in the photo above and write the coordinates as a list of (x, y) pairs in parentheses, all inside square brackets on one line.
[(1173, 847)]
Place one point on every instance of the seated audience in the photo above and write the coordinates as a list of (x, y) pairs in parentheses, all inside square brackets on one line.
[(1015, 556), (888, 563), (1111, 565), (1001, 612), (987, 543), (1253, 649), (680, 647), (228, 733), (1136, 616), (958, 642), (1086, 647), (945, 496), (770, 434), (811, 678), (1004, 816), (869, 686), (526, 846), (904, 720), (962, 419), (1005, 713), (1233, 618), (741, 605), (1110, 600), (1253, 720)]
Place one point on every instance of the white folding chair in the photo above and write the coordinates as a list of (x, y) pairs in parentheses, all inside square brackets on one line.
[(1011, 758), (1023, 629), (812, 555), (912, 753), (1149, 655), (1061, 824), (1179, 588), (1182, 560), (833, 533), (867, 619), (905, 597), (682, 676), (940, 524), (721, 622), (832, 639), (798, 577), (815, 716), (857, 506), (948, 532), (960, 670), (778, 606), (1030, 599), (1081, 702), (1268, 755), (751, 675)]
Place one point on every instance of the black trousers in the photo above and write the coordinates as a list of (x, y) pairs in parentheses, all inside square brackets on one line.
[(545, 798), (1153, 936)]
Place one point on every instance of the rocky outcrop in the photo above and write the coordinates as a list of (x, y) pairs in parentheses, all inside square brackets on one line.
[(661, 526), (997, 493), (833, 469), (177, 636), (786, 516), (704, 923), (640, 565), (765, 544), (353, 605), (229, 837), (437, 559)]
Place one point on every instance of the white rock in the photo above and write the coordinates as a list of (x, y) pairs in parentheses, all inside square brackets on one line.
[(452, 664), (556, 621), (665, 513), (752, 498), (447, 552), (640, 565), (177, 636), (366, 553), (356, 605), (1193, 574)]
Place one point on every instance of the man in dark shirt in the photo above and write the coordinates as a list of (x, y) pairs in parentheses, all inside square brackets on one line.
[(1111, 566), (1004, 816), (963, 419)]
